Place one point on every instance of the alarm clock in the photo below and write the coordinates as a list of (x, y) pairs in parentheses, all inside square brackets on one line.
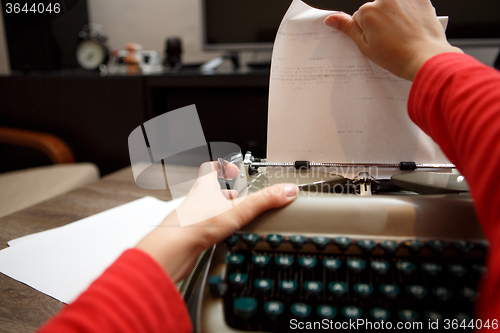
[(91, 51)]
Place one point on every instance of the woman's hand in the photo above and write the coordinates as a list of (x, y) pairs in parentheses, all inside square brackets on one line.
[(176, 248), (398, 35)]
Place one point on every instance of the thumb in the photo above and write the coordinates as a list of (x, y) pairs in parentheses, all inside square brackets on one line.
[(345, 23), (270, 197)]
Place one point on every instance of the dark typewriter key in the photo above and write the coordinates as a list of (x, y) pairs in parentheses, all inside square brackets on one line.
[(463, 247), (441, 293), (433, 316), (288, 286), (379, 314), (417, 291), (320, 242), (238, 280), (274, 309), (431, 268), (235, 260), (283, 261), (217, 287), (406, 267), (460, 317), (482, 246), (261, 260), (232, 240), (338, 288), (251, 239), (352, 312), (389, 290), (363, 289), (356, 265), (342, 242), (380, 266), (307, 263), (326, 311), (479, 269), (245, 307), (298, 241), (313, 287), (437, 245), (389, 246), (331, 264), (300, 310), (458, 270), (414, 245), (274, 240), (263, 286), (469, 294), (366, 245), (408, 315)]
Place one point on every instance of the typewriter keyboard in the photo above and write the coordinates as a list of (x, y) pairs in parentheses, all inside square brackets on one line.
[(271, 280)]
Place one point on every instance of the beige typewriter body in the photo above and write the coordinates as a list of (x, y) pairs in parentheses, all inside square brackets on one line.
[(396, 217)]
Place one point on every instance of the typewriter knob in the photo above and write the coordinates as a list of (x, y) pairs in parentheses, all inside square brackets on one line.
[(338, 288), (406, 267), (274, 240), (251, 239), (379, 314), (263, 286), (326, 311), (437, 245), (307, 263), (298, 241), (235, 260), (442, 293), (414, 245), (217, 287), (245, 307), (363, 289), (390, 290), (380, 266), (463, 247), (274, 309), (407, 315), (389, 246), (357, 265), (261, 260), (417, 291), (332, 264), (232, 240), (284, 261), (288, 286), (366, 245), (342, 242), (301, 310), (352, 312), (320, 242), (313, 287), (433, 316), (238, 280)]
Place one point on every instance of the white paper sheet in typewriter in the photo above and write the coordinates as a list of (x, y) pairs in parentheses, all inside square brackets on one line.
[(329, 103)]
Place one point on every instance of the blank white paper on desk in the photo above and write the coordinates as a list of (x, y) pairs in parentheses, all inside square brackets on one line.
[(329, 103), (63, 262)]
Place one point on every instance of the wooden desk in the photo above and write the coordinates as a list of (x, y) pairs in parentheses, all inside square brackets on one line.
[(22, 308)]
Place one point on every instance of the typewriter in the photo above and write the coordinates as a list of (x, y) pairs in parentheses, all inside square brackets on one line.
[(347, 253)]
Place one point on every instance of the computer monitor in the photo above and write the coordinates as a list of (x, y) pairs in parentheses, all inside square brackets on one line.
[(252, 25)]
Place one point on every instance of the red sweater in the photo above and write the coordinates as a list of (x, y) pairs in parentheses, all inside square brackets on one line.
[(454, 99)]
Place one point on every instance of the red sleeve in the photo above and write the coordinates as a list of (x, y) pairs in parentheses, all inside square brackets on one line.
[(456, 100), (133, 295)]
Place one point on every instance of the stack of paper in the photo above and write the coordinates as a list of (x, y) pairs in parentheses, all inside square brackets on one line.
[(62, 262)]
